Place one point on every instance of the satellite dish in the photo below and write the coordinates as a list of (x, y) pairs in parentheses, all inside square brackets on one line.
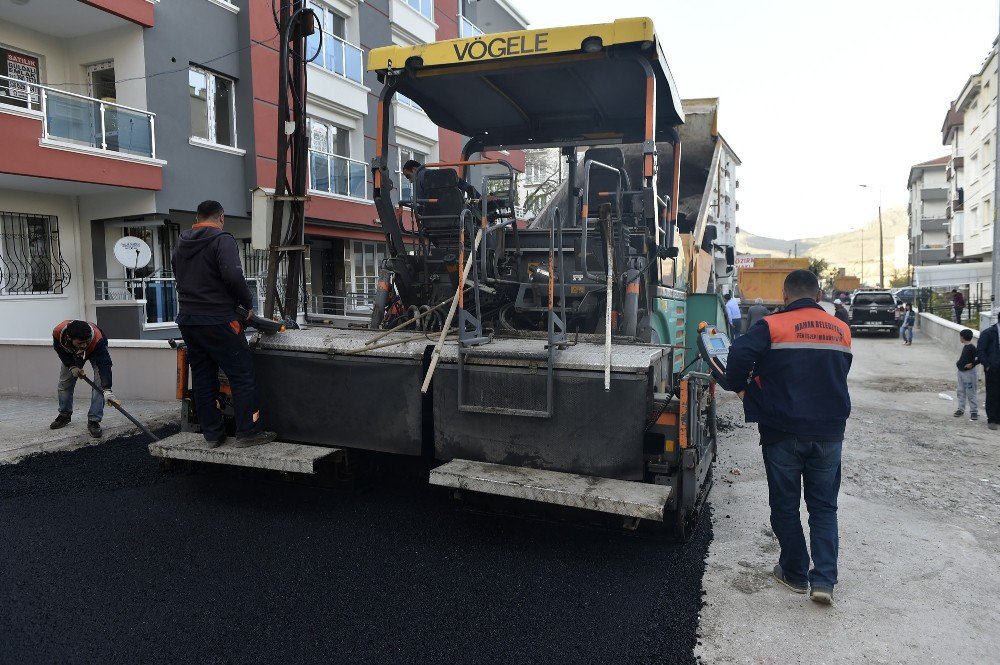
[(132, 252)]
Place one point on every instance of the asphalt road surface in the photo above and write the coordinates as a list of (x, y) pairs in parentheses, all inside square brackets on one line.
[(105, 558)]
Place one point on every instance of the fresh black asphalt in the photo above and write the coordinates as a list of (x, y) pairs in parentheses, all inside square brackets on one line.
[(105, 558)]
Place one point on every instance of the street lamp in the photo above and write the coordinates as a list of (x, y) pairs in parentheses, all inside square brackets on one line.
[(881, 246)]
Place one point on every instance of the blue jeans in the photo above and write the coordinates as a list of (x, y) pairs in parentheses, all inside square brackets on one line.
[(907, 333), (735, 325), (67, 384), (811, 468)]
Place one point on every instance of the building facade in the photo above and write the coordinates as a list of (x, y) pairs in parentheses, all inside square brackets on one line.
[(927, 207), (953, 136), (975, 145), (194, 83)]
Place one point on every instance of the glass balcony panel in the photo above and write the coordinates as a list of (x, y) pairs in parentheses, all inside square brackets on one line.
[(73, 119), (129, 132), (319, 169), (352, 63), (357, 175)]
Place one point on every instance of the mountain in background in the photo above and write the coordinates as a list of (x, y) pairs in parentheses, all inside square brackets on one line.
[(843, 250)]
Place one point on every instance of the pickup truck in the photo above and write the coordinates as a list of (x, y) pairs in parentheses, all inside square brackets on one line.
[(874, 311)]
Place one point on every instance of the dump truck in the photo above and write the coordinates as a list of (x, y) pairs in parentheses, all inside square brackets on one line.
[(846, 284), (765, 278), (561, 367)]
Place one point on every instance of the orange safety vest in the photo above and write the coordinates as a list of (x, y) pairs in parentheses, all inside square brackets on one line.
[(95, 337)]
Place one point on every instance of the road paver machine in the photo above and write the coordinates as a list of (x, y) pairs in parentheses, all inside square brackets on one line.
[(557, 365)]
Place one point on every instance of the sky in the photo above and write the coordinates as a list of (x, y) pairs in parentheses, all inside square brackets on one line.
[(816, 97)]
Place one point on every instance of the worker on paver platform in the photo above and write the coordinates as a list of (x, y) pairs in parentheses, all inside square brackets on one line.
[(76, 343), (210, 285), (791, 373)]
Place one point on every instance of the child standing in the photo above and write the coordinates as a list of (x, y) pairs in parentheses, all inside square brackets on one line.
[(967, 376)]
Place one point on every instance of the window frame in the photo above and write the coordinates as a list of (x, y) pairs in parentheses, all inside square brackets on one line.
[(210, 77)]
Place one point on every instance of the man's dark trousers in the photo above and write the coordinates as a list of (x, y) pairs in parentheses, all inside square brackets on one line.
[(795, 467), (221, 346), (993, 396)]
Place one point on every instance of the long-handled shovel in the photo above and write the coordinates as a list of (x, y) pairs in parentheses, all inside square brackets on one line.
[(115, 403)]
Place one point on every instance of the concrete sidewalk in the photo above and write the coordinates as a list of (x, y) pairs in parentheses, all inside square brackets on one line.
[(24, 424)]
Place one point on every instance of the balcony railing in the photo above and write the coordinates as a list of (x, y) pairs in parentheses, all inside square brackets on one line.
[(338, 56), (86, 121), (351, 305), (423, 7), (467, 28), (337, 175), (406, 101), (157, 295)]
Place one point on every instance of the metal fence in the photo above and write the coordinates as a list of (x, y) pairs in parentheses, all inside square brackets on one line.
[(350, 305), (30, 255), (157, 295)]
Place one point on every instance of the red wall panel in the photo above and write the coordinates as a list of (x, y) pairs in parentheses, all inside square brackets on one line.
[(21, 155), (136, 11)]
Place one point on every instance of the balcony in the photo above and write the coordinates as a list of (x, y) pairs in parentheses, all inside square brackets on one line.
[(60, 135), (467, 29), (934, 223), (70, 19), (341, 176), (932, 255), (934, 194), (355, 306), (413, 20), (336, 55)]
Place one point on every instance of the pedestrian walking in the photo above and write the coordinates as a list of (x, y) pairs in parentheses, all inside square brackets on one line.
[(966, 365), (906, 326), (958, 303), (77, 343), (840, 311), (791, 373), (210, 285), (733, 314), (756, 312), (988, 355)]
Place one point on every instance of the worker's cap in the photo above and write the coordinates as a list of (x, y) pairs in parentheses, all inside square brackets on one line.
[(838, 301)]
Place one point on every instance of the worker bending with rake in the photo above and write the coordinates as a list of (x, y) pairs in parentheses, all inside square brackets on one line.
[(791, 372), (76, 343), (210, 286)]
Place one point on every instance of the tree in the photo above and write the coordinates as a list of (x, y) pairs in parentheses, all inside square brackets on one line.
[(899, 278), (542, 177), (818, 266)]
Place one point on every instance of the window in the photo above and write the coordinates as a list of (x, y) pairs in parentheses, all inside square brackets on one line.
[(331, 50), (330, 167), (213, 107), (405, 186), (365, 260), (424, 7), (30, 256)]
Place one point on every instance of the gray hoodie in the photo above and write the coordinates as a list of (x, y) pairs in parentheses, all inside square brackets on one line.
[(210, 281)]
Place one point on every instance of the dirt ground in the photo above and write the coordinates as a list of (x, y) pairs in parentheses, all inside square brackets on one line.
[(919, 530)]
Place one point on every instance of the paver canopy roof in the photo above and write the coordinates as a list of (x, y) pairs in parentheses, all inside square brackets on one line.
[(571, 85)]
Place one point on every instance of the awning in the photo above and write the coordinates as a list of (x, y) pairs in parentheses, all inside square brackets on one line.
[(540, 87), (953, 274)]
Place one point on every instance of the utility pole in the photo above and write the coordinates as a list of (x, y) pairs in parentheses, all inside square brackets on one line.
[(295, 23), (881, 243), (995, 286)]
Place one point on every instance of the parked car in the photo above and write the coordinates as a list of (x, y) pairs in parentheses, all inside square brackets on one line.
[(874, 311)]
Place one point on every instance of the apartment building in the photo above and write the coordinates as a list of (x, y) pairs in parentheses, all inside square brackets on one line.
[(953, 136), (79, 143), (976, 147), (928, 188), (194, 82)]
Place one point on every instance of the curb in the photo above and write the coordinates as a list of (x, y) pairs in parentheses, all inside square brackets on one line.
[(77, 440)]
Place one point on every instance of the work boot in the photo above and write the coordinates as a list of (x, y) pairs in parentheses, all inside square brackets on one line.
[(974, 416), (821, 595), (215, 443), (958, 413), (779, 575), (94, 428), (257, 439), (61, 421), (993, 425)]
